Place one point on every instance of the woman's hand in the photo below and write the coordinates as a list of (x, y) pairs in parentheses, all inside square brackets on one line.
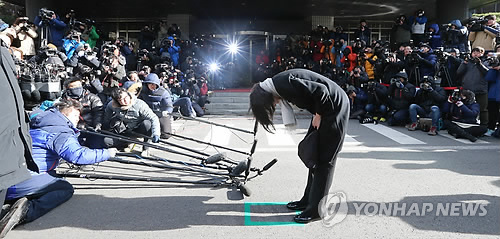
[(316, 121)]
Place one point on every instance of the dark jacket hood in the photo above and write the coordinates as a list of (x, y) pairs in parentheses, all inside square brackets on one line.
[(172, 39), (152, 78), (435, 27), (457, 23)]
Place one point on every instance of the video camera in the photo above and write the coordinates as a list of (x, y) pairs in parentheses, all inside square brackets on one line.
[(46, 14), (477, 24)]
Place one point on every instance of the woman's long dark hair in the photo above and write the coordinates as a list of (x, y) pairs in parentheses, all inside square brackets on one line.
[(262, 105)]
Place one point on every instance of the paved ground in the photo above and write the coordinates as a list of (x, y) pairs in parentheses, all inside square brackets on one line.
[(378, 165)]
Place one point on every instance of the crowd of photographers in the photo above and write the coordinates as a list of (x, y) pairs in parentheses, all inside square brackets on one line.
[(120, 89), (429, 76), (53, 51), (407, 81)]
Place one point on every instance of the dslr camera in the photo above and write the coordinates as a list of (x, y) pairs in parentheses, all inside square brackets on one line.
[(46, 14), (370, 86)]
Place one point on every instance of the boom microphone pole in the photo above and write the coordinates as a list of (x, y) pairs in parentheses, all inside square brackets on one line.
[(135, 141), (206, 143)]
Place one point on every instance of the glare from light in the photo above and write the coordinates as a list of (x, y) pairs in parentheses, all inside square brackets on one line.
[(213, 67), (233, 48)]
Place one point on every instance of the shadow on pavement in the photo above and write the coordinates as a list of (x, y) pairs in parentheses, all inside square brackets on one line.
[(487, 224), (463, 162), (97, 212)]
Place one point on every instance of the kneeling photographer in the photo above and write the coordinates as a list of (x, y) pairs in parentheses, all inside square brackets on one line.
[(460, 116), (376, 102), (356, 92), (401, 93), (159, 100), (427, 101)]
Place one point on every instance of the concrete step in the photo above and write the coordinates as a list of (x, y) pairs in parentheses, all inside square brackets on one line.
[(229, 94), (228, 112), (219, 100), (229, 106)]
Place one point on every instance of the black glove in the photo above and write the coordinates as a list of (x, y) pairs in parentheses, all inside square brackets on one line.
[(156, 138)]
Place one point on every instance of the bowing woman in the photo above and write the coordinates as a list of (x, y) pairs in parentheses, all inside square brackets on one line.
[(329, 105)]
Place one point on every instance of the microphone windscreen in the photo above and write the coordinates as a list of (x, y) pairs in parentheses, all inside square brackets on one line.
[(240, 168), (215, 158)]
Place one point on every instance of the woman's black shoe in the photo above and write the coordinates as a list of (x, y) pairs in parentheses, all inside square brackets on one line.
[(296, 205), (306, 218)]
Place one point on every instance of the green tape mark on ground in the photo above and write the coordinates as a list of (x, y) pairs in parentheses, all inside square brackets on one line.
[(249, 222)]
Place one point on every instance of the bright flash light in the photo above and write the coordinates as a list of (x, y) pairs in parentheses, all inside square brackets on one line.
[(233, 48), (213, 67)]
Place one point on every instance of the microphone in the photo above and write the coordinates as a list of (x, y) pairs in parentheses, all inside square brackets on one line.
[(214, 158), (240, 168), (270, 164)]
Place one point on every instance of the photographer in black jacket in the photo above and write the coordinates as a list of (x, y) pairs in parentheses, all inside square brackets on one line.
[(92, 110), (376, 102), (427, 101), (401, 94)]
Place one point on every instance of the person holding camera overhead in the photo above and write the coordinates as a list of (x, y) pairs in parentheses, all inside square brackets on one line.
[(427, 101), (471, 74), (56, 27), (460, 116), (484, 35), (418, 26), (401, 93)]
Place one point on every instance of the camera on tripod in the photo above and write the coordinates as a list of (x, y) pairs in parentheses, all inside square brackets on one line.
[(46, 14), (414, 58)]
